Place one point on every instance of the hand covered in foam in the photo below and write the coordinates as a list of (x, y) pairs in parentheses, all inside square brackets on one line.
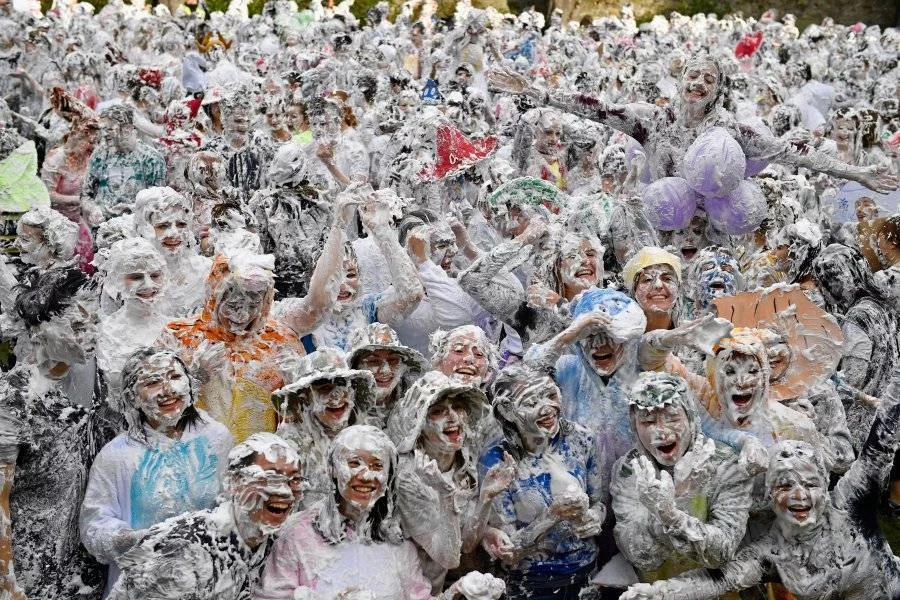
[(591, 523), (541, 296), (499, 477), (498, 545), (505, 80), (210, 361), (428, 471), (878, 179), (478, 586), (754, 458), (702, 334), (656, 493), (375, 215), (571, 505), (642, 591)]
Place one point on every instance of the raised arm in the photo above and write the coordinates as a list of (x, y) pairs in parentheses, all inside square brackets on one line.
[(799, 153), (631, 119), (543, 357), (302, 315), (407, 289)]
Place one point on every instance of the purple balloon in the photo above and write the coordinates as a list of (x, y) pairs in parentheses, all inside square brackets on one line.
[(740, 212), (714, 164), (754, 167), (669, 203)]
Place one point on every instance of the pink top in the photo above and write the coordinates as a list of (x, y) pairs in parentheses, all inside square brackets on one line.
[(301, 558)]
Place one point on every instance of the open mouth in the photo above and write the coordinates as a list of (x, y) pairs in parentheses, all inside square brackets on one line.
[(742, 401), (800, 513), (465, 370), (168, 403), (171, 244), (717, 286), (363, 488), (548, 422), (667, 449), (688, 253), (585, 272), (453, 433), (383, 380), (336, 412), (278, 507), (343, 295), (697, 93), (147, 294), (600, 356), (446, 263)]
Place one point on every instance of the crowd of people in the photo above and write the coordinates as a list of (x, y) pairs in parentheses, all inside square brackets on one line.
[(299, 307)]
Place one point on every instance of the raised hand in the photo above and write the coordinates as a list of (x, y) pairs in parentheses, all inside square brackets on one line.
[(502, 79), (878, 179), (499, 477)]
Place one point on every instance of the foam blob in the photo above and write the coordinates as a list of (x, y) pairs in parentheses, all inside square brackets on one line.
[(740, 212), (669, 203), (714, 164)]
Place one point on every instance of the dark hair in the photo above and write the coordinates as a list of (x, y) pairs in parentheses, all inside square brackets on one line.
[(413, 219), (134, 366), (46, 295), (379, 511)]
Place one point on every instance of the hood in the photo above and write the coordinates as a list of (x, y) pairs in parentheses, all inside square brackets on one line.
[(409, 413), (243, 265), (324, 363)]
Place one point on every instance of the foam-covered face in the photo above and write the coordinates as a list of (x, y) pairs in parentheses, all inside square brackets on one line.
[(444, 431), (32, 247), (239, 308), (142, 280), (65, 340), (172, 230), (740, 385), (466, 361), (698, 83), (579, 265), (267, 491), (350, 285), (835, 278), (844, 130), (665, 433), (237, 119), (798, 494), (779, 360), (388, 369), (361, 473), (118, 136), (689, 240), (536, 409), (603, 353), (325, 125), (512, 220), (443, 247), (162, 391), (547, 134), (717, 277), (866, 209), (332, 402)]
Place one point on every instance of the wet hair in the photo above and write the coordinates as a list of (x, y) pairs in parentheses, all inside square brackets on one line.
[(121, 113), (509, 383), (134, 366), (46, 295), (412, 219)]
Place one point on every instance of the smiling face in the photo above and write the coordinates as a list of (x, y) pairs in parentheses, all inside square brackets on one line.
[(547, 136), (466, 360), (172, 230), (349, 289), (740, 386), (332, 402), (656, 289), (579, 265), (699, 82), (268, 490), (665, 433), (444, 431), (142, 280), (361, 474), (118, 136), (689, 240), (162, 391), (240, 308), (798, 495), (603, 353), (716, 277), (388, 369), (535, 412)]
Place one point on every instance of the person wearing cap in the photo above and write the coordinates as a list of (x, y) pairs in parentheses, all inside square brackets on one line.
[(439, 505), (545, 524), (324, 397), (377, 349), (653, 278), (681, 499), (595, 362)]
